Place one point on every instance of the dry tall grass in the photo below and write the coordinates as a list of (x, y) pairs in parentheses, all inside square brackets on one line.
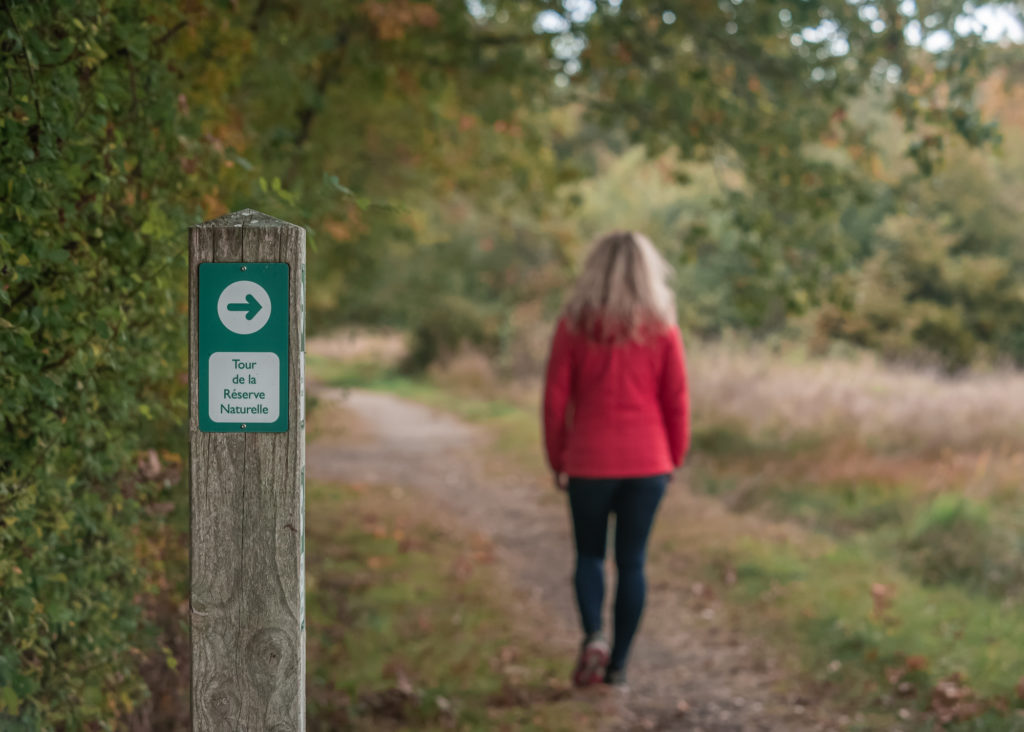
[(855, 404), (385, 347), (857, 400)]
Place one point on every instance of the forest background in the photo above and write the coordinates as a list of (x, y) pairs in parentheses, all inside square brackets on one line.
[(841, 175)]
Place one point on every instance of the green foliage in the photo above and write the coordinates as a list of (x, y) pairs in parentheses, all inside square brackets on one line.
[(940, 284), (388, 124), (955, 540), (763, 91), (446, 323), (91, 346), (771, 190)]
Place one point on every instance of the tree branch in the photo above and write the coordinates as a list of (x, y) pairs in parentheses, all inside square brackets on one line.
[(169, 34), (28, 60)]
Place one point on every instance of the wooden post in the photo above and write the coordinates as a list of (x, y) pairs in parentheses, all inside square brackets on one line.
[(247, 471)]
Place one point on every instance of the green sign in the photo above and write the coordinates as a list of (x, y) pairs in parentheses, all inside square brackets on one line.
[(243, 347)]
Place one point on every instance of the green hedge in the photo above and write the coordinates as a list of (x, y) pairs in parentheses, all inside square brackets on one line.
[(92, 255)]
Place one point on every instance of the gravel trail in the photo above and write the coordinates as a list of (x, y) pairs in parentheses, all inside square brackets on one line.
[(687, 672)]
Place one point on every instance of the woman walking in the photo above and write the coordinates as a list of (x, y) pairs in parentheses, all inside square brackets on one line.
[(616, 424)]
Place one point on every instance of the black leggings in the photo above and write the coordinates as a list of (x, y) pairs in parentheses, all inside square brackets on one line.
[(634, 502)]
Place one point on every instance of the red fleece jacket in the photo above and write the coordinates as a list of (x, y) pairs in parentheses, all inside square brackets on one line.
[(616, 410)]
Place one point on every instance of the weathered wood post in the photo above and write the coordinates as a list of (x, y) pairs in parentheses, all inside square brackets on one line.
[(247, 467)]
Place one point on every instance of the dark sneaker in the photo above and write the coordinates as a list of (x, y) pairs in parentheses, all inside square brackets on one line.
[(590, 668)]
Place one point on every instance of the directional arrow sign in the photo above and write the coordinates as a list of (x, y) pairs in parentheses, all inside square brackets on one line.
[(250, 307), (243, 347), (244, 306)]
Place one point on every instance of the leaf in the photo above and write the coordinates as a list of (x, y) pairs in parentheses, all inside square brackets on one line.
[(241, 161), (23, 260), (9, 700), (172, 662), (333, 182)]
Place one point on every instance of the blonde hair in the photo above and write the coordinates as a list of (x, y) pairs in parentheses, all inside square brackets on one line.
[(623, 292)]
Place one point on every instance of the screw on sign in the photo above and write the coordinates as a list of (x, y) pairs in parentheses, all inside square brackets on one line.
[(246, 460)]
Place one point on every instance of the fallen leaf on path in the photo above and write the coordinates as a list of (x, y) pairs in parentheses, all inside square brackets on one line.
[(894, 674), (881, 597), (396, 669), (404, 684), (149, 464), (917, 663), (953, 701)]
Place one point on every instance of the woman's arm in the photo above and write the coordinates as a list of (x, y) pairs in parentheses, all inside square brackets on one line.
[(557, 391), (675, 399)]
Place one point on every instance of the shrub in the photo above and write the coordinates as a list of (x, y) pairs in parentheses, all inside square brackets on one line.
[(91, 347), (444, 325)]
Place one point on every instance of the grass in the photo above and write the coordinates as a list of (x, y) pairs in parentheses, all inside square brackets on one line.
[(856, 401), (887, 555), (865, 622), (843, 603), (410, 627)]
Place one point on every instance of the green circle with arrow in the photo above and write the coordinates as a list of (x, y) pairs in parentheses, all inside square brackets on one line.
[(243, 307)]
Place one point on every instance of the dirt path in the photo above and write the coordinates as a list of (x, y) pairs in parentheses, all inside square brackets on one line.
[(687, 672)]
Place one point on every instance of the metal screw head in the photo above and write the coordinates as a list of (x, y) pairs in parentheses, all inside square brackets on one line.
[(243, 426), (243, 267)]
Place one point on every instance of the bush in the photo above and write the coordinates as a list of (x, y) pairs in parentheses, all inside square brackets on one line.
[(444, 325), (91, 348)]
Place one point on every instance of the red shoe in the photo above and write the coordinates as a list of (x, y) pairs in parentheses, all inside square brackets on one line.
[(592, 663)]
